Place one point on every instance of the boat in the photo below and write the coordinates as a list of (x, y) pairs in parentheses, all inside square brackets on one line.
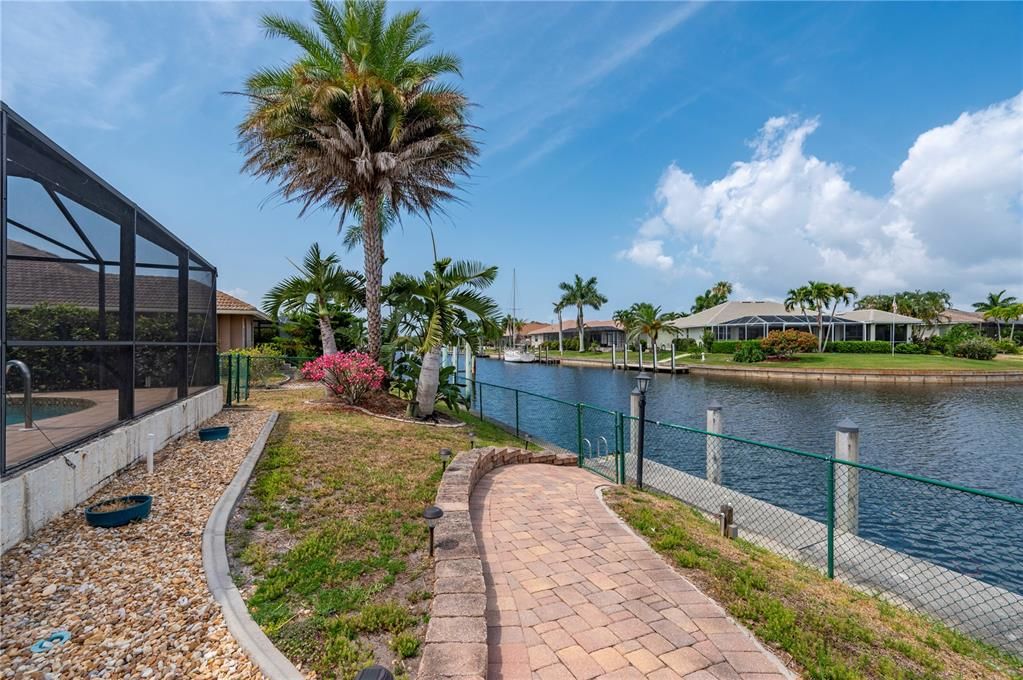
[(517, 355)]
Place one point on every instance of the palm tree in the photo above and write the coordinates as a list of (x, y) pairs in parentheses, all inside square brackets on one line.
[(819, 295), (646, 320), (712, 297), (581, 294), (840, 293), (995, 301), (559, 307), (797, 297), (321, 282), (441, 307), (359, 119)]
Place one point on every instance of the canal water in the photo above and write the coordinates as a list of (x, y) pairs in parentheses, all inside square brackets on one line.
[(964, 434)]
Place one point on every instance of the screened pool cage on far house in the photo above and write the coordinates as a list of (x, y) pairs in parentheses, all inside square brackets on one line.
[(107, 314)]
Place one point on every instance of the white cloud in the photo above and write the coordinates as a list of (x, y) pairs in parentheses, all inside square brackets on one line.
[(953, 218), (55, 52), (240, 293)]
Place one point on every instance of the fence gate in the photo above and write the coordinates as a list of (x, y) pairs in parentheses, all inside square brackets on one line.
[(600, 441)]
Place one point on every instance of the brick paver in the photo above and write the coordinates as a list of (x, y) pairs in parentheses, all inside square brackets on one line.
[(572, 593)]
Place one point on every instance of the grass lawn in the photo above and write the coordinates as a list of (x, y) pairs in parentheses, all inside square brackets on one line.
[(328, 546), (875, 361), (829, 630)]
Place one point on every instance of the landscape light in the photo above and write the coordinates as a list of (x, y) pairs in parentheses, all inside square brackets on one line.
[(472, 439), (528, 438), (643, 381), (374, 672), (445, 456), (432, 516)]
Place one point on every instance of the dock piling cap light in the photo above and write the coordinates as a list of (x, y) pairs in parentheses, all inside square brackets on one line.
[(847, 425), (432, 515), (643, 381)]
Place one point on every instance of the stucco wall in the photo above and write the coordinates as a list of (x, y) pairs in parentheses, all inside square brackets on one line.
[(33, 497)]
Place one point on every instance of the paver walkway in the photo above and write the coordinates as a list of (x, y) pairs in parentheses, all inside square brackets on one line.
[(572, 593)]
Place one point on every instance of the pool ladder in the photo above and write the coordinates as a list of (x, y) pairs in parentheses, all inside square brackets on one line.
[(27, 399)]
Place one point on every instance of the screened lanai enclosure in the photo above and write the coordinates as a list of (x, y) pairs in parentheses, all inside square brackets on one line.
[(107, 314), (753, 327)]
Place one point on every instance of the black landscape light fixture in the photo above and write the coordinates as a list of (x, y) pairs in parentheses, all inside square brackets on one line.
[(432, 516), (528, 437), (642, 383), (472, 439), (374, 672), (445, 456)]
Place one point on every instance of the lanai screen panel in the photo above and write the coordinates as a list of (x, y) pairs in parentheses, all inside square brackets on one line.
[(110, 313)]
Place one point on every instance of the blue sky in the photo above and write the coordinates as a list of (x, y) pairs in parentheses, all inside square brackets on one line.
[(660, 147)]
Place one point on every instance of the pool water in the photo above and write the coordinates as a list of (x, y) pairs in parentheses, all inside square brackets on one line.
[(40, 411)]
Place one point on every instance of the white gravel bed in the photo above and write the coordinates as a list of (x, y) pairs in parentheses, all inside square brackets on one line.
[(134, 598)]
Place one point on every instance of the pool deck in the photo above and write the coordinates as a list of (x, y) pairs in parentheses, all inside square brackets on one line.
[(49, 433)]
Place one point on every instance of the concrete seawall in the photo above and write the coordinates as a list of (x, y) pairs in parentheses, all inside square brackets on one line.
[(836, 375)]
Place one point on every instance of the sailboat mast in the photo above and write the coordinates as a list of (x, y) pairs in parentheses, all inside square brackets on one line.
[(514, 309)]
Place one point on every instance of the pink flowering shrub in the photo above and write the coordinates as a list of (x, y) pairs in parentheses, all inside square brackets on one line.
[(348, 375)]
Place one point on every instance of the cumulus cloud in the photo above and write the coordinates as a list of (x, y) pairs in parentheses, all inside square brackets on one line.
[(952, 219)]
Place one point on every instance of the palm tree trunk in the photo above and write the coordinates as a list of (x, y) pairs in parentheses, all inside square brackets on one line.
[(373, 255), (327, 336), (820, 330), (579, 327), (429, 381), (561, 342), (831, 326)]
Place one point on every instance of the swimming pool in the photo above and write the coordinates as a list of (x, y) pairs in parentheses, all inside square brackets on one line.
[(41, 409)]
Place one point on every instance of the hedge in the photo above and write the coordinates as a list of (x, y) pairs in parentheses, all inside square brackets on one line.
[(860, 347), (725, 346)]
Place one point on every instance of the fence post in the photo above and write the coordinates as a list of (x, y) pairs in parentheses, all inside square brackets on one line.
[(230, 376), (847, 478), (715, 425), (653, 351), (831, 518), (579, 431), (614, 356), (248, 374), (641, 356), (516, 414), (620, 446), (673, 356), (625, 350), (481, 401), (634, 430)]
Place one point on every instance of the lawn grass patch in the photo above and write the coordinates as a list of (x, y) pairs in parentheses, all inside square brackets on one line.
[(329, 546), (916, 362), (827, 629)]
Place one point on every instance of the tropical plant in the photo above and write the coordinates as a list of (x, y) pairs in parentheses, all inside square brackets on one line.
[(840, 294), (820, 295), (926, 305), (348, 375), (1007, 313), (559, 307), (645, 320), (975, 348), (749, 352), (440, 308), (321, 282), (581, 293), (359, 121), (713, 296), (788, 342), (798, 297)]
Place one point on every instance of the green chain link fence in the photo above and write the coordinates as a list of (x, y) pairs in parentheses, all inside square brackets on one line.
[(237, 372), (945, 550)]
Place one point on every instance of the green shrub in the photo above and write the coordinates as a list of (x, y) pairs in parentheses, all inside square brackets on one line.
[(909, 348), (749, 352), (1007, 346), (708, 339), (956, 335), (975, 348), (686, 345), (860, 347), (935, 344), (725, 346), (405, 645), (788, 342), (266, 362)]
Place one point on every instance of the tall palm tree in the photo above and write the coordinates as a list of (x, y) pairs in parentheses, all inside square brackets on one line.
[(995, 301), (646, 320), (441, 307), (721, 291), (840, 293), (797, 297), (819, 296), (321, 282), (559, 307), (359, 118), (581, 293)]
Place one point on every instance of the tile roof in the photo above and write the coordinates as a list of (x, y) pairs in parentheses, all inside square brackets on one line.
[(569, 325), (229, 304)]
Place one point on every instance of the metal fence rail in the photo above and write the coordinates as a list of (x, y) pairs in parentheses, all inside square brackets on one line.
[(949, 551)]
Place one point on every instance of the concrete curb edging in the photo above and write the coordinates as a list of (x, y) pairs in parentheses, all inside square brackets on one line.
[(246, 632), (456, 637)]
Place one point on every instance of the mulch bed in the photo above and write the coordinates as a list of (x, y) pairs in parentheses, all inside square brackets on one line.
[(386, 405)]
